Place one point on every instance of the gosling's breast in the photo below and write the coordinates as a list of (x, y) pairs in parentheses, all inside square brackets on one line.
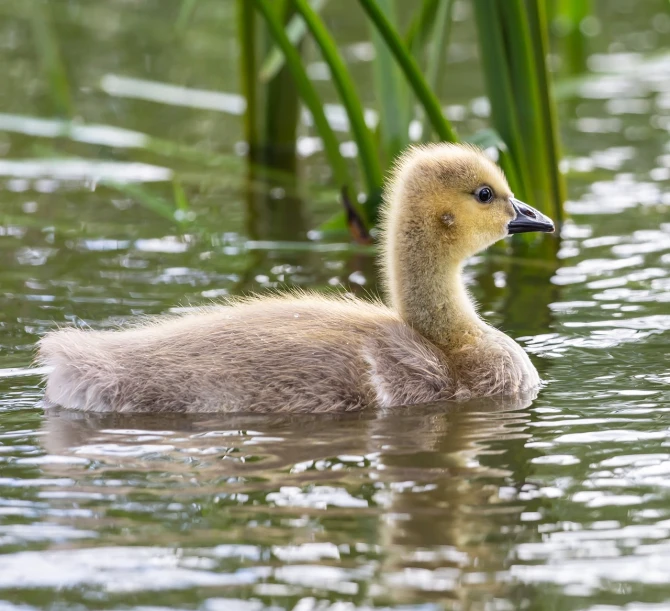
[(495, 365)]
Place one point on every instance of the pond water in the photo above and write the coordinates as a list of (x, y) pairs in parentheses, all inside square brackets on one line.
[(563, 503)]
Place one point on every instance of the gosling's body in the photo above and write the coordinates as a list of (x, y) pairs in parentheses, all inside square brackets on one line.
[(290, 354), (305, 353)]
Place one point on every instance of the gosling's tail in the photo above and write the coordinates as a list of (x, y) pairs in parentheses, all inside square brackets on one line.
[(83, 372)]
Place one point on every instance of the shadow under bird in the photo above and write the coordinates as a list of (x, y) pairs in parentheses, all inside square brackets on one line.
[(303, 352)]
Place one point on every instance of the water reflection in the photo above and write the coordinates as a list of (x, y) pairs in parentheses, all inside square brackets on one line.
[(406, 499)]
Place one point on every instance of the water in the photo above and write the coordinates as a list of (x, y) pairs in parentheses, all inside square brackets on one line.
[(563, 503)]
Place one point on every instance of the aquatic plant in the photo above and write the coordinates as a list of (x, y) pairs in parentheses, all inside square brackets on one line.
[(406, 69), (513, 43), (567, 19)]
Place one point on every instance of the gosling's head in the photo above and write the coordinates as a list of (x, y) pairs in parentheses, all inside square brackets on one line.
[(452, 201)]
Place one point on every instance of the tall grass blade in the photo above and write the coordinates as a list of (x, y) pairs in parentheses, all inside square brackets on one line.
[(437, 53), (180, 199), (512, 37), (312, 100), (367, 152), (568, 16), (502, 95), (392, 92), (525, 83), (295, 30), (411, 70), (147, 199), (247, 42), (46, 43), (186, 11), (281, 108), (549, 120), (421, 25)]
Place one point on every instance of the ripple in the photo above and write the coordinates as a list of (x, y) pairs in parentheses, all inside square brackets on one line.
[(556, 459), (14, 534), (319, 497), (613, 435), (646, 569), (117, 569), (83, 170)]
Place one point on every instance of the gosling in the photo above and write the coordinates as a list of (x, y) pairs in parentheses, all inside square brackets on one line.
[(309, 353)]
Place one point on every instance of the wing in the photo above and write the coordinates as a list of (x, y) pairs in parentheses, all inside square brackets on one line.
[(276, 354)]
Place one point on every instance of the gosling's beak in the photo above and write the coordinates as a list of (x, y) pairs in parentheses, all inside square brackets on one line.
[(528, 219)]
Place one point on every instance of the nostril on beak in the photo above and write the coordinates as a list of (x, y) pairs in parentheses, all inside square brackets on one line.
[(528, 212)]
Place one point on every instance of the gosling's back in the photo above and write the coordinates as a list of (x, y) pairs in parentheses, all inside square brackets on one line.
[(279, 354)]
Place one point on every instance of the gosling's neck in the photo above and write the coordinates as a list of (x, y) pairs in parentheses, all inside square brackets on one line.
[(431, 297)]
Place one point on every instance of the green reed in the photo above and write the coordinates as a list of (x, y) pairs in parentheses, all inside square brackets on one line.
[(48, 50), (272, 107), (407, 68), (513, 43), (568, 18)]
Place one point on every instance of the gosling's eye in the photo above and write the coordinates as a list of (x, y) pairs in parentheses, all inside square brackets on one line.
[(484, 194)]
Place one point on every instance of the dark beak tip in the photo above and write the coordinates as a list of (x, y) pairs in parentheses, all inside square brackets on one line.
[(529, 219)]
